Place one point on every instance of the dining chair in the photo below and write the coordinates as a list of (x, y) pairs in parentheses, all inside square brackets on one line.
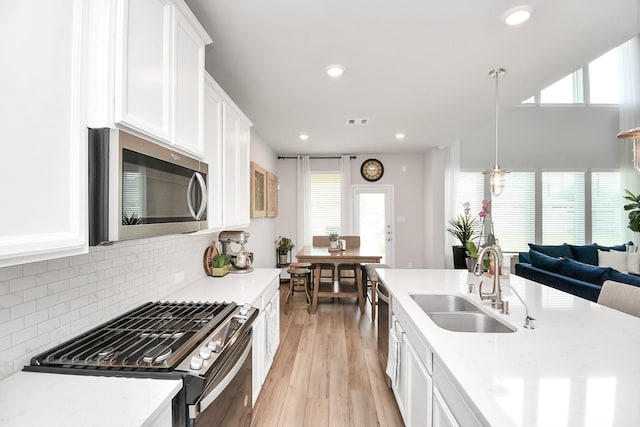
[(371, 279), (621, 297), (327, 271), (348, 271)]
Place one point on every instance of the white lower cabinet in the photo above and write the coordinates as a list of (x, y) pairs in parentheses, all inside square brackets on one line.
[(412, 385), (266, 335), (442, 416)]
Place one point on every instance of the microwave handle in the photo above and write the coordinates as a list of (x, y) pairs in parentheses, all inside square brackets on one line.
[(203, 196)]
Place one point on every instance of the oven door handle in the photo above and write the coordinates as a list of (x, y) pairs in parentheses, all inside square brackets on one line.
[(203, 196), (213, 394)]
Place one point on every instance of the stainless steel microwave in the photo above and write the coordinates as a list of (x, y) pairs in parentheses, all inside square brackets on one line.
[(141, 189)]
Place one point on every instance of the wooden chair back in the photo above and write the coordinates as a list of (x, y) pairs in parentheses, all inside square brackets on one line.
[(621, 297), (352, 241), (321, 241)]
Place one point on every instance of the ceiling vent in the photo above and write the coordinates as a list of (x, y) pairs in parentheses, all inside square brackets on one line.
[(357, 122)]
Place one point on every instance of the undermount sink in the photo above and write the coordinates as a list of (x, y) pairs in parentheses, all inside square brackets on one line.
[(465, 321), (437, 303), (458, 314)]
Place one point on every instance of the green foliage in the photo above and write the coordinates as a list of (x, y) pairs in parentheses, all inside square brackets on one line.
[(130, 220), (221, 260), (334, 236), (464, 228), (284, 244), (634, 210), (472, 250)]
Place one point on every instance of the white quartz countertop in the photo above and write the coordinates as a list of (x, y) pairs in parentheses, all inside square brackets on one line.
[(578, 367), (37, 399), (237, 287)]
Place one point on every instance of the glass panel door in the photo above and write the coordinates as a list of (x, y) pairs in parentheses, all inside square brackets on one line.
[(373, 220)]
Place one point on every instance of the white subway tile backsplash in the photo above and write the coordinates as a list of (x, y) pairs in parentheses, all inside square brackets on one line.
[(45, 303)]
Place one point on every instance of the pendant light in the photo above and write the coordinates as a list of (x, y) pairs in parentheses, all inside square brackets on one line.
[(635, 135), (496, 175)]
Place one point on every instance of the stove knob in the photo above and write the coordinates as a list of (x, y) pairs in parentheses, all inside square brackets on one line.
[(196, 363), (213, 346), (244, 310), (205, 353)]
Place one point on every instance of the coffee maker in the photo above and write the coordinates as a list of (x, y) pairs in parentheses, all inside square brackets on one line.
[(241, 259)]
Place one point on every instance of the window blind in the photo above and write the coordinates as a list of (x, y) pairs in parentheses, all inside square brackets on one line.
[(563, 208), (325, 203), (513, 212), (470, 189), (607, 226)]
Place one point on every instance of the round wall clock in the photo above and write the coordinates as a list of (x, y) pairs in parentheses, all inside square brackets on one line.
[(372, 170)]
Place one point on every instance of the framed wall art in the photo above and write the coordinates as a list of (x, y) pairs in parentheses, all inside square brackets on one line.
[(258, 191), (272, 195)]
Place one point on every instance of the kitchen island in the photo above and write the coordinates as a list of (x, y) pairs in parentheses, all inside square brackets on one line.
[(578, 367)]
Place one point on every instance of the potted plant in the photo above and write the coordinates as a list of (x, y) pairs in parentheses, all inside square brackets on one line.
[(472, 256), (465, 229), (634, 210), (220, 265), (284, 245), (333, 240)]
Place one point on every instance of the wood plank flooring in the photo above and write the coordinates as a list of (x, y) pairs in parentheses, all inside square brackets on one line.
[(326, 371)]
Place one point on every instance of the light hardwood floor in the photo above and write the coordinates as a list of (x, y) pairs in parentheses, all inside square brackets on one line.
[(326, 371)]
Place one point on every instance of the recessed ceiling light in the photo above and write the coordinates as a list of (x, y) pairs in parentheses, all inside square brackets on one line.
[(517, 15), (335, 70), (304, 136), (399, 135)]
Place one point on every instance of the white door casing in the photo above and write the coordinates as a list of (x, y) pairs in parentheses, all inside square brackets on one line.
[(380, 224)]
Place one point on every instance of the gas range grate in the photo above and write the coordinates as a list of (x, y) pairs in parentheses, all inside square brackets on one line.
[(154, 336)]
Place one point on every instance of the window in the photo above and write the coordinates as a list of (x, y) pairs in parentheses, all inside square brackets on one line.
[(325, 203), (565, 91), (563, 208), (603, 79), (470, 189), (606, 206), (513, 212)]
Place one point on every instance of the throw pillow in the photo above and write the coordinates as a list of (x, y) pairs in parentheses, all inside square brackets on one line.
[(545, 262), (585, 253), (620, 247), (633, 262), (553, 250), (585, 272), (614, 259)]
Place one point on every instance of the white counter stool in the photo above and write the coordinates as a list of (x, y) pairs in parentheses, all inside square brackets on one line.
[(371, 280), (299, 283)]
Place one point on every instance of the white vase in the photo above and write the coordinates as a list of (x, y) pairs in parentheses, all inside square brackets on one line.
[(333, 244)]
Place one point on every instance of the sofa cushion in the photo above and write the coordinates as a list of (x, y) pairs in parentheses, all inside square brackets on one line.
[(585, 253), (524, 257), (629, 279), (614, 259), (585, 272), (621, 247), (555, 280), (553, 250), (633, 262), (545, 262)]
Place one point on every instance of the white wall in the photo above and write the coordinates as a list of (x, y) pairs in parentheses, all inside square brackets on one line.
[(404, 171), (262, 230), (547, 137)]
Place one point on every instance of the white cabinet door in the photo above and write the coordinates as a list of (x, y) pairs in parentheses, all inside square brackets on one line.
[(243, 198), (43, 168), (419, 391), (442, 416), (399, 386), (213, 151), (236, 168), (273, 329), (257, 355), (189, 87), (144, 38)]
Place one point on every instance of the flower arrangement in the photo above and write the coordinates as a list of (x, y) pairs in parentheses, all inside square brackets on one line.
[(333, 237), (463, 227)]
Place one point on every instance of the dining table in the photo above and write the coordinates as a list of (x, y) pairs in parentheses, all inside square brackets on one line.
[(317, 255)]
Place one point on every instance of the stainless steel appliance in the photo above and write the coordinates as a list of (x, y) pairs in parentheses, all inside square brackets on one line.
[(241, 259), (384, 324), (141, 189), (207, 345)]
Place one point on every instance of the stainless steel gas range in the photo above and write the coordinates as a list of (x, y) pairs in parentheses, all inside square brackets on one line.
[(207, 345)]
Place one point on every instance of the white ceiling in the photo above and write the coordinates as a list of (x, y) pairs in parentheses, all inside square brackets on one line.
[(419, 67)]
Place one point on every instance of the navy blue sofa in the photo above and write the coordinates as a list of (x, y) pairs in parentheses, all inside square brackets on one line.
[(570, 268)]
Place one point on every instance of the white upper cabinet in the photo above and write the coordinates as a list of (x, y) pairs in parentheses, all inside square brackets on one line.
[(143, 62), (43, 170), (227, 145), (153, 59)]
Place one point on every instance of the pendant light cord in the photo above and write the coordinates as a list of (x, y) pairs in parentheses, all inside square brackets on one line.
[(497, 75)]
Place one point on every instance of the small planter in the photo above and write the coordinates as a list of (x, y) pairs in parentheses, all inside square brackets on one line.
[(333, 244), (459, 257), (471, 264), (220, 271), (283, 258)]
